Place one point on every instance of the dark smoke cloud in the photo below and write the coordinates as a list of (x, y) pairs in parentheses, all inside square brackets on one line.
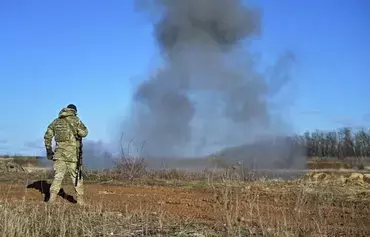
[(208, 94), (222, 23)]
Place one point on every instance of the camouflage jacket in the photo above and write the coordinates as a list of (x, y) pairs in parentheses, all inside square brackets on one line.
[(64, 130)]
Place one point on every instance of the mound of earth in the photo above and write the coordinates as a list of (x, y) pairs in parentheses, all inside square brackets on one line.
[(10, 166), (347, 178)]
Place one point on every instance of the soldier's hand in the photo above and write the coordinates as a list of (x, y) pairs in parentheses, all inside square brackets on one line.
[(49, 154)]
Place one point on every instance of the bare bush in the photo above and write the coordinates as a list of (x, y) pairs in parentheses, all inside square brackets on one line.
[(130, 167)]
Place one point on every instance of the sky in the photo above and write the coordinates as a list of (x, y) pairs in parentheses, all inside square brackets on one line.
[(93, 54)]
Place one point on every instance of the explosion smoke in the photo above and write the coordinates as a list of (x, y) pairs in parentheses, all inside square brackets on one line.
[(208, 95)]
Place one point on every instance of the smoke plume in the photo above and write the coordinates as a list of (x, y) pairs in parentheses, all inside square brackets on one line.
[(208, 94), (96, 155)]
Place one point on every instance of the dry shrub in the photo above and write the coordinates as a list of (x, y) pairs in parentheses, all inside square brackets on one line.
[(130, 168)]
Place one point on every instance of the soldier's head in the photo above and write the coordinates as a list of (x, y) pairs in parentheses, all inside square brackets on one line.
[(72, 106)]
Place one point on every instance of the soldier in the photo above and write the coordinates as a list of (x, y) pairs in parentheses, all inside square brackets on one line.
[(66, 130)]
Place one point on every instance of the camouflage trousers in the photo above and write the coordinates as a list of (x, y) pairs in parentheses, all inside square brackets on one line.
[(61, 168)]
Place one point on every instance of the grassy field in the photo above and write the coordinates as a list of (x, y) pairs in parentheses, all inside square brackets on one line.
[(180, 203), (26, 161)]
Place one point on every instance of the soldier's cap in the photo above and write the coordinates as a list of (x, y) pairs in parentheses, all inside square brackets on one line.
[(72, 106)]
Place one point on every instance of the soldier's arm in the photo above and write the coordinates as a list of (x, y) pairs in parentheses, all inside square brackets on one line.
[(48, 137), (82, 130)]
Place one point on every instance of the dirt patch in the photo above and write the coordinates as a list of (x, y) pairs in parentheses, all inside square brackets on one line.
[(280, 207)]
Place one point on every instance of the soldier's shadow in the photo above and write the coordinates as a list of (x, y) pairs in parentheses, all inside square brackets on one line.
[(44, 187)]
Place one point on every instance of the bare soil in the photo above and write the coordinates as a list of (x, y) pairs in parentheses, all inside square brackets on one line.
[(299, 207)]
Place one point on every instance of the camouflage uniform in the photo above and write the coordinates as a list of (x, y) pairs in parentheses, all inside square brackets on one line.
[(64, 130)]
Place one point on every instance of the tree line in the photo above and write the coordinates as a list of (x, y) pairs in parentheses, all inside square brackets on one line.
[(339, 143)]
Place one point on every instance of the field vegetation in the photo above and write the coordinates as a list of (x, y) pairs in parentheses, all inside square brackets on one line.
[(133, 200)]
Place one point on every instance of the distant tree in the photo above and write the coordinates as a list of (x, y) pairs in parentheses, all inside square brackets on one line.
[(341, 144)]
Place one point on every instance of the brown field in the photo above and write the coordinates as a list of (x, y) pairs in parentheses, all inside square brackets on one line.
[(174, 203), (26, 161)]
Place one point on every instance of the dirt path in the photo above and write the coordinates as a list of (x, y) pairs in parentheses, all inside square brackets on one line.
[(255, 205)]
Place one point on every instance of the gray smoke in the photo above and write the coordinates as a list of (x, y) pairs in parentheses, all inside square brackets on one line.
[(96, 155), (208, 95)]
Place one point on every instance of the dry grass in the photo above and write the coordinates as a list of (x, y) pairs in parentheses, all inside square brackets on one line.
[(22, 160), (180, 203), (22, 219)]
